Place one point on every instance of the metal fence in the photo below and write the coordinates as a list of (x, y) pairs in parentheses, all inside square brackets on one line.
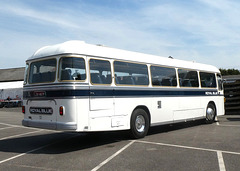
[(232, 95)]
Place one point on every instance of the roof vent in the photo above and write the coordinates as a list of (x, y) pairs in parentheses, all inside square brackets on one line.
[(100, 45)]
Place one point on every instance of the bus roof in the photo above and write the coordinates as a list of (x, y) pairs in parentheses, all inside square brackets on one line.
[(82, 48)]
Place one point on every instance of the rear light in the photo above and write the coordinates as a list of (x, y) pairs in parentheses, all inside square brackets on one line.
[(23, 109), (61, 110)]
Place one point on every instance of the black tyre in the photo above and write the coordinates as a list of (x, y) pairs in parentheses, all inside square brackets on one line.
[(139, 123), (210, 113)]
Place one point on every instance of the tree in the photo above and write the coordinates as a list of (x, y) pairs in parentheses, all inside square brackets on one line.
[(229, 71)]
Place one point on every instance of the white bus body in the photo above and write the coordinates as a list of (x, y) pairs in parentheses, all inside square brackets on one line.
[(80, 87)]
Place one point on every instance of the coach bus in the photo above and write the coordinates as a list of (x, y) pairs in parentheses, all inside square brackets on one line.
[(75, 86)]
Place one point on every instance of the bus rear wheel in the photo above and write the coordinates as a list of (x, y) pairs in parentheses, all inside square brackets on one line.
[(139, 123), (210, 113)]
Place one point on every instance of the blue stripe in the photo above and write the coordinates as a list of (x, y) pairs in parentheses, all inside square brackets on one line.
[(158, 93), (123, 93)]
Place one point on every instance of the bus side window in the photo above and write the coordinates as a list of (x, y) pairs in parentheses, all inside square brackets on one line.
[(100, 71), (188, 78), (163, 76), (72, 68), (127, 73), (208, 80)]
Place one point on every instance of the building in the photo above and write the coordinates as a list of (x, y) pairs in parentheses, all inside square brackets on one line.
[(11, 82)]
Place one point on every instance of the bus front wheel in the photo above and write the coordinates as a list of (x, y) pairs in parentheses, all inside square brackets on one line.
[(210, 113), (139, 123)]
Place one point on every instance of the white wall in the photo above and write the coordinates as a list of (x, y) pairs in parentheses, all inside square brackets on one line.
[(11, 89)]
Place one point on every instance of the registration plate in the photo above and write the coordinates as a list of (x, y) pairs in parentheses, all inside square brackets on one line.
[(39, 93), (41, 110)]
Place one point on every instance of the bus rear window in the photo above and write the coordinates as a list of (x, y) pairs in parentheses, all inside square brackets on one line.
[(72, 68), (42, 71), (26, 74)]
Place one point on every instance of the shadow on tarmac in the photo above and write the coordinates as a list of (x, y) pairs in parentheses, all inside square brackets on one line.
[(65, 142), (175, 126), (233, 119)]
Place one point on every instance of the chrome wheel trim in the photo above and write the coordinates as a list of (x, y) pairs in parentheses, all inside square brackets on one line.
[(210, 113), (140, 123)]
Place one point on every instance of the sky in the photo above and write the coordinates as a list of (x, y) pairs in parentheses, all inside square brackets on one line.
[(204, 31)]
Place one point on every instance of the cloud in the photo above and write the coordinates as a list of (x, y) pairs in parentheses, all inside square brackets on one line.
[(37, 15), (199, 30), (208, 22)]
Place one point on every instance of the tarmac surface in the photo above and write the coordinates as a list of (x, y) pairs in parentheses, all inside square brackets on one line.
[(186, 146)]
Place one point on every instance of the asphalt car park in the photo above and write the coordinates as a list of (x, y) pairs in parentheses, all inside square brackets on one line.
[(185, 146)]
